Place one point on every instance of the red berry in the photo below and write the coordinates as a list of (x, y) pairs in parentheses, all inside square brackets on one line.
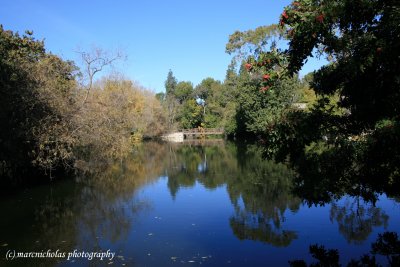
[(265, 88), (285, 15), (247, 66), (266, 76), (320, 18)]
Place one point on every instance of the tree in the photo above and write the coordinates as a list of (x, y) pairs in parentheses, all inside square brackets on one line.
[(362, 40), (45, 128), (204, 90), (170, 98), (387, 244), (351, 134), (190, 115), (161, 97), (255, 41), (259, 109), (183, 91), (170, 83), (94, 62), (37, 99), (260, 105), (117, 113)]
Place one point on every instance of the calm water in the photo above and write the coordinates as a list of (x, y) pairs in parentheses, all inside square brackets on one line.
[(187, 205)]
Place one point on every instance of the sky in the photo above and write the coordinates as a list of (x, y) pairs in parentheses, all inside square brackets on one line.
[(185, 36)]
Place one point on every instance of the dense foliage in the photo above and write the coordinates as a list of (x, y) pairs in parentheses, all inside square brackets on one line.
[(36, 95), (50, 122), (348, 141), (350, 135)]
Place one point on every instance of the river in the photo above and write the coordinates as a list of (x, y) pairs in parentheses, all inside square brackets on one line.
[(218, 204)]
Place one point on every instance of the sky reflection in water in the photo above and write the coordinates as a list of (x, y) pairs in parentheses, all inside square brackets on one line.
[(170, 205)]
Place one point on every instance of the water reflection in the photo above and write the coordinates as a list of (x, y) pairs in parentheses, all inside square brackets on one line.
[(210, 166), (84, 215), (356, 218), (104, 210), (264, 189), (260, 190)]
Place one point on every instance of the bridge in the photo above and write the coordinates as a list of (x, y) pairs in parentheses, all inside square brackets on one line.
[(202, 132), (192, 133)]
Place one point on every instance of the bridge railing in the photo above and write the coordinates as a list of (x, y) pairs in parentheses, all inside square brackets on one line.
[(204, 131)]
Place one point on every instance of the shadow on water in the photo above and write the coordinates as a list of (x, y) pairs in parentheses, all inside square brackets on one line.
[(86, 214)]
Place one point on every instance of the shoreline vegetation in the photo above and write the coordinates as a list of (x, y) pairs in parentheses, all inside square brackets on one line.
[(337, 128), (55, 117), (58, 118), (340, 122)]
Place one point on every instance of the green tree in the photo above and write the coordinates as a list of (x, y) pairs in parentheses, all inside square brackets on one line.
[(170, 99), (203, 90), (183, 91), (160, 96), (362, 45), (191, 114), (259, 109), (218, 102), (170, 83), (362, 38), (245, 43), (260, 105), (356, 115)]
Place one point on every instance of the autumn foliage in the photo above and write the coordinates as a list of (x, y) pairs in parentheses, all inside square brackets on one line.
[(47, 127)]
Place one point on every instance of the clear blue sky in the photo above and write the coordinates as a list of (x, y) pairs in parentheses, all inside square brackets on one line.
[(185, 36)]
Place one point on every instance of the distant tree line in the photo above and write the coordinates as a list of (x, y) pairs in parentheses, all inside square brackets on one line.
[(237, 104)]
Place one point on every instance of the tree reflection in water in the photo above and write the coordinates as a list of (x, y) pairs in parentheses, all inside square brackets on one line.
[(108, 195), (357, 218), (81, 215), (262, 191), (102, 209), (263, 186)]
